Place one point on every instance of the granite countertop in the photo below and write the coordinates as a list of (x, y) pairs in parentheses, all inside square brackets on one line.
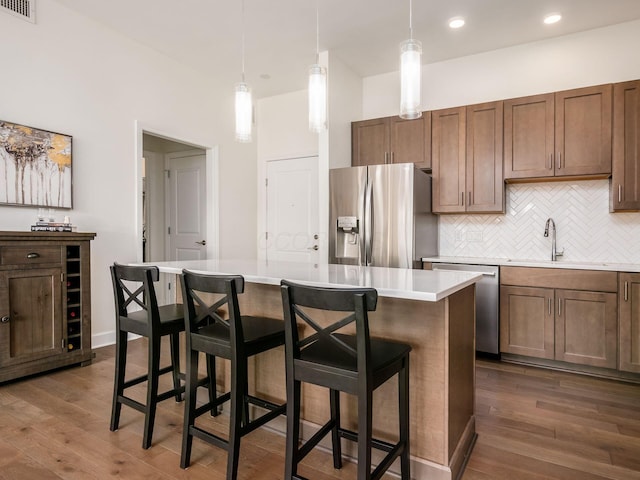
[(508, 262), (411, 284)]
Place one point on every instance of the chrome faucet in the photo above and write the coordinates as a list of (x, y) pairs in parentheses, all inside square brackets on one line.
[(554, 253)]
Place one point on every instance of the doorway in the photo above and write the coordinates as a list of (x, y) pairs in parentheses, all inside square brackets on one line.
[(177, 214)]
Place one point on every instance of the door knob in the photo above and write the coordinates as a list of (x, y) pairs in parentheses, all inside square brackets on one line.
[(5, 319), (315, 247), (203, 242)]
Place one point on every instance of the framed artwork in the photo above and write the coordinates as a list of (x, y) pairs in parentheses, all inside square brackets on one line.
[(35, 167)]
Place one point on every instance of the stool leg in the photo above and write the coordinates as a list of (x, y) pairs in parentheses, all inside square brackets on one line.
[(293, 429), (364, 433), (211, 376), (334, 399), (189, 407), (118, 383), (152, 389), (403, 389), (174, 342), (238, 418)]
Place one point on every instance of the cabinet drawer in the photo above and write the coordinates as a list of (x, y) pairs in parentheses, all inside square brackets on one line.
[(29, 255), (593, 280)]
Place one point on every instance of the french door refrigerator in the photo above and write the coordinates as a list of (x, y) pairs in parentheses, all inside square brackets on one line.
[(380, 215)]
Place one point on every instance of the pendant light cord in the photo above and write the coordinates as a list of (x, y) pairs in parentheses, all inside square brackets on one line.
[(242, 25), (317, 34), (410, 19)]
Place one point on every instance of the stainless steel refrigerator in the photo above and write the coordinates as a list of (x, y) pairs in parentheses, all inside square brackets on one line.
[(380, 215)]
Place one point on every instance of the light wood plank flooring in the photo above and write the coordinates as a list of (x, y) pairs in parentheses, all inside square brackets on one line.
[(532, 424)]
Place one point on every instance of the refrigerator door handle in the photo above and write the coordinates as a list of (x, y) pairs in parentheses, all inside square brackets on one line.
[(368, 215)]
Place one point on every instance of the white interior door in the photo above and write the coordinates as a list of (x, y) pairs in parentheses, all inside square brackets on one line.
[(292, 210), (187, 208)]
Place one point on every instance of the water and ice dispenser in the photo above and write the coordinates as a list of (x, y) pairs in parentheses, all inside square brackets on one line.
[(348, 237)]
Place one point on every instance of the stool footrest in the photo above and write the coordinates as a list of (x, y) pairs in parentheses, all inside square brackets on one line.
[(129, 402), (315, 439), (379, 444), (144, 378), (209, 437), (170, 393), (275, 410)]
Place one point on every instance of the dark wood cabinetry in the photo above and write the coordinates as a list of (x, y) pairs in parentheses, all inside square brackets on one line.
[(467, 159), (562, 134), (629, 318), (45, 302), (625, 180), (560, 314), (392, 140)]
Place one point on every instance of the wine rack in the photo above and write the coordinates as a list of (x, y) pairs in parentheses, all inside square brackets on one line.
[(73, 295)]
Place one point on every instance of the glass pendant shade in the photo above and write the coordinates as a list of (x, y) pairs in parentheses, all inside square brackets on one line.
[(244, 113), (410, 79), (317, 98)]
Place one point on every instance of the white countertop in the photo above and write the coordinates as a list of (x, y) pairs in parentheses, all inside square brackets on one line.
[(424, 285), (507, 262)]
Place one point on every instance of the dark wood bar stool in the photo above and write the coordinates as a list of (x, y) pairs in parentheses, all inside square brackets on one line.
[(133, 287), (235, 338), (354, 364)]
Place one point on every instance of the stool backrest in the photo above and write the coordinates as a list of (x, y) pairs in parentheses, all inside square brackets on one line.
[(297, 299), (223, 293), (133, 287)]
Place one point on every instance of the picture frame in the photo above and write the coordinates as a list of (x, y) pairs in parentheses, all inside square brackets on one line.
[(35, 167)]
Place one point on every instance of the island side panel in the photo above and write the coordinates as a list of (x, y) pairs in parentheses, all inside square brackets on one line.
[(461, 376), (423, 325)]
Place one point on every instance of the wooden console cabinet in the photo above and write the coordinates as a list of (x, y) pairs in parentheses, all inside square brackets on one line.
[(45, 302)]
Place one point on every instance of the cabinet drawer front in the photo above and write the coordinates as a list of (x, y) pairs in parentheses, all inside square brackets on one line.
[(593, 280), (29, 255)]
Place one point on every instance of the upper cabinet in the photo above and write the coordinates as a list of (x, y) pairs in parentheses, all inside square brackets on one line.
[(625, 180), (556, 135), (392, 140), (467, 159)]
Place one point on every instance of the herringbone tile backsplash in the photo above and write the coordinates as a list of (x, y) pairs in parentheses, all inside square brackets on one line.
[(585, 228)]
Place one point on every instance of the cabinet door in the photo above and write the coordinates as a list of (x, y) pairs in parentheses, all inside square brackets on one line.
[(30, 304), (370, 142), (448, 159), (629, 340), (583, 131), (485, 183), (587, 328), (529, 137), (527, 321), (410, 140), (625, 181)]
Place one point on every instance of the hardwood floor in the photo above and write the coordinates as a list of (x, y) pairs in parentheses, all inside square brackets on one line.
[(532, 424)]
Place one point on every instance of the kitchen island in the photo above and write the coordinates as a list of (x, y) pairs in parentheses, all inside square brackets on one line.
[(432, 311)]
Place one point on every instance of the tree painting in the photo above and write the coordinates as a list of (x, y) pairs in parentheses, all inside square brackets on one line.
[(35, 167)]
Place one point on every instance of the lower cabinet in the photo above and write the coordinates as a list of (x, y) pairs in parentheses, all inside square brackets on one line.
[(558, 314), (629, 322), (45, 302)]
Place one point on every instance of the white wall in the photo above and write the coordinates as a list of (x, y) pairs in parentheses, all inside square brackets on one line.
[(585, 227), (71, 75)]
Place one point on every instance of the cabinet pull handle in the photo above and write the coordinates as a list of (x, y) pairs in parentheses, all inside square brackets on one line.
[(462, 196), (551, 161), (391, 157), (549, 306), (469, 200), (626, 291), (559, 307), (33, 255), (559, 160), (619, 193), (386, 155), (5, 319)]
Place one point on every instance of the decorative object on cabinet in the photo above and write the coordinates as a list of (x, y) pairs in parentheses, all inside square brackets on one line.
[(392, 140), (35, 167), (625, 179), (557, 135), (45, 302), (467, 159)]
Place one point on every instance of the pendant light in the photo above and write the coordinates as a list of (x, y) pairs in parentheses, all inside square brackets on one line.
[(410, 74), (244, 104), (317, 88)]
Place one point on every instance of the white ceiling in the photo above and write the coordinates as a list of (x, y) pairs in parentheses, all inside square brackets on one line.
[(364, 34)]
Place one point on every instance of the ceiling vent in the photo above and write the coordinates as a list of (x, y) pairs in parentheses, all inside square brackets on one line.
[(24, 9)]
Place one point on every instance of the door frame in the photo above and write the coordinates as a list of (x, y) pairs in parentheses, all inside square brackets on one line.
[(212, 181)]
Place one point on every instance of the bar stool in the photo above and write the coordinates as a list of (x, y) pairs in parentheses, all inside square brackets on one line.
[(133, 287), (235, 338), (355, 364)]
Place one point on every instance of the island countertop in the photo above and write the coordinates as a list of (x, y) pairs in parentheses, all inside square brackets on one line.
[(410, 284)]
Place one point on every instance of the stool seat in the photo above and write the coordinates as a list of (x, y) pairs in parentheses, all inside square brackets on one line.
[(260, 334), (171, 320)]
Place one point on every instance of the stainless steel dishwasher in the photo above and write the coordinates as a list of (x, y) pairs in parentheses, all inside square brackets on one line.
[(487, 304)]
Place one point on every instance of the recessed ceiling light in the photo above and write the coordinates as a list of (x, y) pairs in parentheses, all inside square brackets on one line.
[(456, 22), (552, 18)]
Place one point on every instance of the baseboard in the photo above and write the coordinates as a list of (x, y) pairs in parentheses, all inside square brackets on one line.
[(107, 338)]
